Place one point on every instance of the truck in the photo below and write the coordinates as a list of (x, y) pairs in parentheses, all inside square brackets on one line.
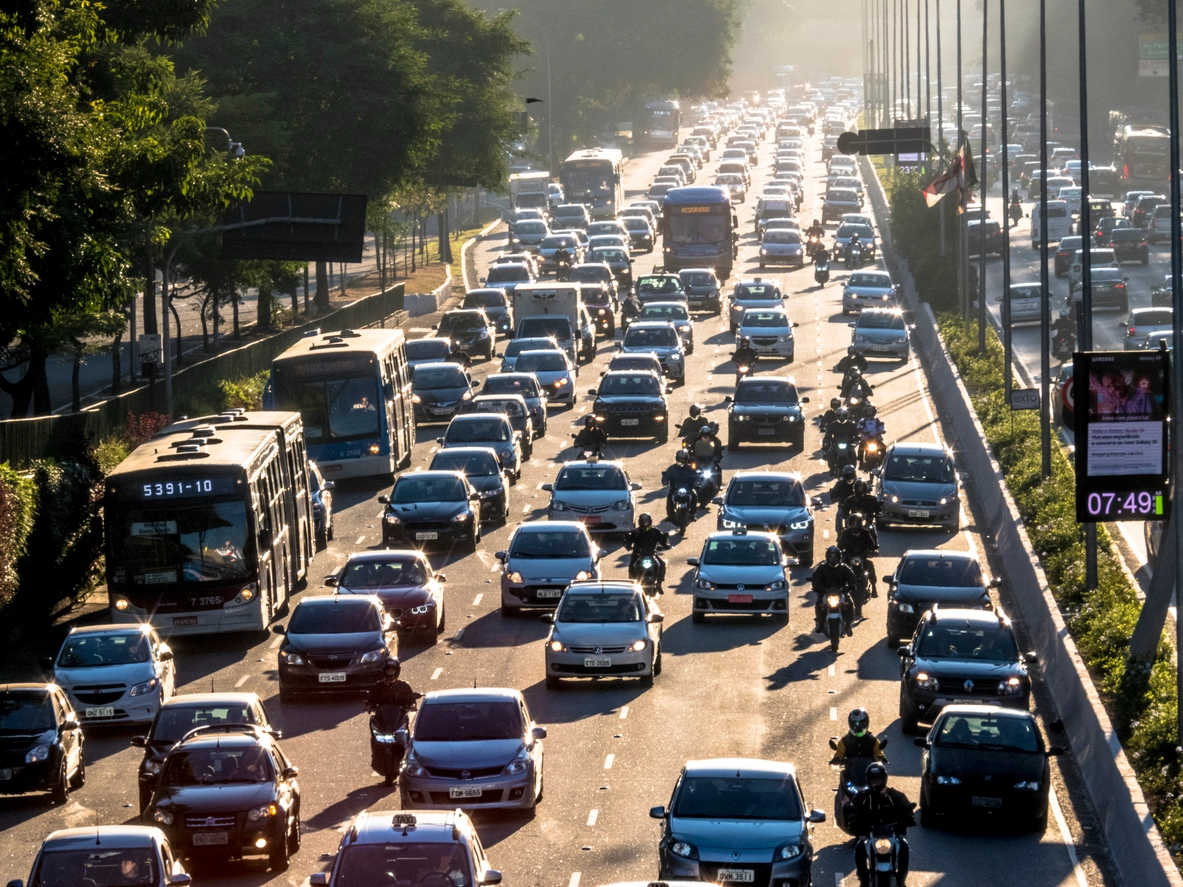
[(550, 309), (528, 190)]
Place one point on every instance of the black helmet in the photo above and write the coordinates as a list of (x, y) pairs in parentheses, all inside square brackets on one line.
[(843, 413), (855, 521), (876, 776), (835, 402), (695, 411), (859, 721), (645, 519), (833, 555), (860, 487), (744, 342), (848, 472), (869, 411), (851, 350), (816, 222), (392, 669), (705, 429), (589, 421), (681, 457)]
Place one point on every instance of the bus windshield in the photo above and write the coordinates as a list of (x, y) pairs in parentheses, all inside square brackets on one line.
[(699, 228), (333, 409), (202, 540), (586, 182)]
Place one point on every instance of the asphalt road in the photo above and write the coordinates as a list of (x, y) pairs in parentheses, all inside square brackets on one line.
[(740, 688)]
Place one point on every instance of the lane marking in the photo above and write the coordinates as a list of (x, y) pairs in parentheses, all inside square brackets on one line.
[(458, 635), (477, 600), (360, 539), (830, 671), (1066, 837), (435, 675), (608, 762), (276, 641), (242, 680), (623, 712), (526, 508), (592, 817), (833, 714), (574, 882)]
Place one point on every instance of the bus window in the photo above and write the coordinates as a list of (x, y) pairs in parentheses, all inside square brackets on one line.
[(184, 542), (338, 409)]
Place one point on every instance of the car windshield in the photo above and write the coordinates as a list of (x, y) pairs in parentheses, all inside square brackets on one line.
[(880, 320), (469, 464), (426, 350), (410, 489), (98, 867), (638, 385), (591, 274), (736, 551), (217, 766), (385, 573), (737, 797), (754, 291), (765, 392), (642, 337), (779, 236), (402, 864), (474, 429), (1107, 275), (482, 720), (611, 256), (864, 232), (992, 643), (461, 322), (476, 299), (531, 543), (174, 721), (517, 346), (342, 616), (431, 378), (949, 572), (598, 477), (600, 608), (527, 386), (921, 469), (564, 241), (529, 226), (86, 651), (765, 319), (635, 223), (541, 362), (25, 713), (657, 311), (872, 280), (766, 493), (988, 731)]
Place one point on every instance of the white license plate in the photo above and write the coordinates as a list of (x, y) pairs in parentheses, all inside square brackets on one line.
[(739, 598), (465, 792), (915, 512), (602, 662), (210, 839), (630, 422), (741, 876), (881, 348), (184, 620), (426, 537), (5, 775), (766, 431), (549, 593), (105, 711), (331, 677), (992, 803)]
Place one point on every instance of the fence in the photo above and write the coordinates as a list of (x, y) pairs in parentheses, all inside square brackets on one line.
[(24, 440)]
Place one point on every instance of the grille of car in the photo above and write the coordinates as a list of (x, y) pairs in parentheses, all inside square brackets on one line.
[(214, 820), (589, 509), (724, 604), (763, 342), (99, 694), (767, 419), (427, 525), (474, 773), (598, 650), (928, 503), (330, 660), (629, 409), (616, 668), (485, 797), (956, 684)]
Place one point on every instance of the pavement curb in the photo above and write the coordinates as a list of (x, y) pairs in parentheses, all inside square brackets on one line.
[(464, 251), (1134, 841)]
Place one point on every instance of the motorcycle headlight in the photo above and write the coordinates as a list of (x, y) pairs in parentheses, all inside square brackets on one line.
[(372, 656), (1027, 786), (266, 811), (684, 849), (948, 780), (412, 767), (833, 600), (786, 852), (519, 764), (557, 646), (145, 687), (799, 525), (162, 816), (37, 754), (883, 846), (292, 658)]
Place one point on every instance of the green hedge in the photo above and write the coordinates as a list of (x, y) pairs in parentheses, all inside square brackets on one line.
[(1140, 700), (916, 235)]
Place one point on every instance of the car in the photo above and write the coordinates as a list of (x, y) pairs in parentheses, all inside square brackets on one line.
[(527, 233), (640, 233), (838, 201), (1109, 289), (1070, 194), (514, 407), (961, 656), (527, 258), (868, 289), (659, 288), (1026, 303), (439, 390), (601, 305), (594, 275), (554, 371), (423, 847), (756, 293), (1160, 224), (1131, 200), (770, 332), (473, 748), (1110, 223), (657, 192), (881, 332), (495, 303), (552, 244), (734, 184), (114, 673), (735, 168), (927, 577), (335, 643), (182, 715), (632, 403), (618, 261), (918, 484), (702, 289), (740, 573), (432, 507), (782, 247), (508, 275), (596, 493), (528, 387), (410, 589), (975, 229), (987, 760), (493, 430), (601, 629), (608, 241), (1143, 210), (432, 349), (230, 793), (1068, 248), (509, 357), (837, 179), (484, 473), (846, 232), (773, 502), (646, 363), (43, 741), (608, 226), (320, 494), (570, 215), (543, 558), (113, 855), (676, 313), (1145, 324), (661, 339), (1129, 245), (737, 821)]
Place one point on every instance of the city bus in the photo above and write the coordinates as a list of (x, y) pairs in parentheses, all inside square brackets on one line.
[(199, 536), (353, 389), (660, 123), (593, 177), (699, 229), (1142, 156)]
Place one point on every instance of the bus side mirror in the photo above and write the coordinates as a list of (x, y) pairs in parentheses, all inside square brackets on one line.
[(264, 538)]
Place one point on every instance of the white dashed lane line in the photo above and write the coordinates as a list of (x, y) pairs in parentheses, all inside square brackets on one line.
[(623, 712), (608, 762), (242, 680), (574, 882), (360, 540), (833, 714), (435, 675), (592, 817), (275, 642), (476, 600)]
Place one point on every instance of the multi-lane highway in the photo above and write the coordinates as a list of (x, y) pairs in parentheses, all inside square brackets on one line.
[(729, 688)]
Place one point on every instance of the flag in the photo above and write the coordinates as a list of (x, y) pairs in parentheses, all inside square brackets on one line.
[(959, 178)]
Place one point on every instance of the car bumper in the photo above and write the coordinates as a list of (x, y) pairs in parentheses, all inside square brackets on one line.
[(588, 665), (782, 259), (704, 303), (641, 425), (991, 798), (735, 603), (435, 793), (239, 839), (601, 522), (22, 777), (310, 678), (920, 515), (858, 303), (124, 710), (795, 873), (435, 533), (776, 349), (778, 429), (543, 595), (432, 413), (927, 705), (897, 350)]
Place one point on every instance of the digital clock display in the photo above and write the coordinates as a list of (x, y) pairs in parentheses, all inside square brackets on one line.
[(1123, 506), (165, 488)]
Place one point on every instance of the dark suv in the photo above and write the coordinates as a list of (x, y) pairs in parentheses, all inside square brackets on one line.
[(229, 794), (1129, 245), (631, 403), (961, 656), (765, 409)]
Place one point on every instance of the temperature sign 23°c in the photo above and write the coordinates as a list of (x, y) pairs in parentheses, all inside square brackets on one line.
[(1121, 400)]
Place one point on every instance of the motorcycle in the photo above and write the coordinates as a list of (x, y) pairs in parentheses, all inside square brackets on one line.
[(390, 736), (563, 272), (1062, 347), (628, 313), (644, 573), (872, 453), (883, 848), (590, 455), (683, 508), (841, 454), (855, 258), (821, 273), (864, 574), (710, 478), (1015, 212), (813, 245), (836, 606), (852, 782)]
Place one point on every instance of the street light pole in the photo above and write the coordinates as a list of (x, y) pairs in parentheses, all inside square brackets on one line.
[(1045, 363), (985, 172), (1004, 135)]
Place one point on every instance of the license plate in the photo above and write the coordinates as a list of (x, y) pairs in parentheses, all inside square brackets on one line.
[(332, 467), (331, 677), (630, 421), (184, 620), (5, 775), (590, 520), (739, 598), (742, 876), (880, 347), (915, 512), (439, 411), (992, 803), (549, 593), (766, 431), (105, 711), (426, 537), (602, 662), (210, 839), (459, 792)]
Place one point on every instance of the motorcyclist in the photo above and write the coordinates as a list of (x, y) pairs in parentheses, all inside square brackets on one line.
[(859, 742), (817, 229), (689, 428), (862, 501), (562, 260), (1064, 327), (843, 488), (630, 308), (680, 474), (881, 806), (592, 437), (842, 428), (389, 693), (707, 448), (852, 246), (870, 428), (856, 378), (460, 356), (822, 256), (832, 574), (851, 360), (744, 355), (645, 541), (831, 414), (856, 540)]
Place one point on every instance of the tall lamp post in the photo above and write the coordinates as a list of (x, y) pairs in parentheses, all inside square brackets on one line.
[(550, 105)]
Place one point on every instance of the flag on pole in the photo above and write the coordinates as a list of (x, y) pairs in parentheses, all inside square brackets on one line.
[(959, 178)]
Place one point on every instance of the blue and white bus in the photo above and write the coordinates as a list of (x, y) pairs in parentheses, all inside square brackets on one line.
[(699, 229), (353, 389)]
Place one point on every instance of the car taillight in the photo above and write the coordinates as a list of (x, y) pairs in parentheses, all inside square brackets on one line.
[(1143, 243), (1132, 332), (1119, 286), (1112, 244)]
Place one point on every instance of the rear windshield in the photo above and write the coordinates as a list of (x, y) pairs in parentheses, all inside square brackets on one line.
[(1161, 317), (470, 464), (478, 428), (945, 572), (174, 721), (880, 320), (469, 721), (777, 236), (428, 378), (591, 274), (341, 617), (421, 350), (507, 273), (484, 300), (737, 797), (526, 386), (549, 544)]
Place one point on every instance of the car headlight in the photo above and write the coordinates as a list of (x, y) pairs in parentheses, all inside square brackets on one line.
[(925, 681), (412, 767), (895, 500), (559, 383), (729, 524), (944, 500), (557, 646), (948, 780), (460, 518), (37, 754), (684, 849), (778, 585), (152, 768), (905, 608), (514, 577), (373, 656), (559, 506), (144, 687), (520, 763), (392, 519), (582, 574), (415, 398), (162, 816), (787, 851), (622, 505), (489, 494), (467, 395), (800, 525), (706, 584), (1027, 786), (638, 646), (266, 811), (292, 658), (763, 251), (1010, 686)]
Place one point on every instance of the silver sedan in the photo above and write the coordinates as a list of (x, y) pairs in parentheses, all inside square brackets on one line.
[(601, 629)]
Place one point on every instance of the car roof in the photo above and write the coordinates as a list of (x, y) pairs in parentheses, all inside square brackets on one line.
[(469, 418), (109, 836), (966, 708), (597, 586), (739, 767), (196, 699), (919, 449), (650, 324), (742, 534), (584, 463), (971, 618), (109, 629), (766, 476), (784, 381), (549, 526), (942, 553), (378, 826), (473, 694)]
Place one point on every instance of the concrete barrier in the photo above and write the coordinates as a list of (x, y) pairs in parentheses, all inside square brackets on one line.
[(1134, 841), (418, 304)]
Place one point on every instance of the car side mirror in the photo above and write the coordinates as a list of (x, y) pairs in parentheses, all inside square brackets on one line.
[(501, 555), (538, 733), (547, 618), (321, 879), (491, 876), (834, 743), (634, 486), (440, 441), (1055, 751), (886, 580), (592, 392), (816, 816), (291, 772), (804, 399), (1030, 658), (139, 741), (383, 500), (920, 742), (851, 325), (548, 488), (656, 618), (654, 813), (902, 651), (166, 655), (331, 581), (693, 561), (180, 879), (876, 472)]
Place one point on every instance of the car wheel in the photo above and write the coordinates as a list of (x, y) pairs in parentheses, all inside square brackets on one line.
[(1039, 824), (79, 779), (663, 436), (278, 857), (295, 839), (799, 440), (553, 683), (909, 721), (732, 441), (61, 788), (287, 694)]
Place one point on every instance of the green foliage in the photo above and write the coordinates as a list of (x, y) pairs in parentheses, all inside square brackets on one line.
[(245, 393), (18, 504), (916, 234)]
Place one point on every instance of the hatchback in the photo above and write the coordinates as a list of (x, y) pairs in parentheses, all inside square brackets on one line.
[(43, 741), (659, 288), (676, 313), (838, 201), (439, 390), (570, 215), (431, 507), (770, 332), (509, 357), (702, 289), (881, 332), (772, 502), (740, 573), (335, 643), (640, 233), (542, 559), (554, 371), (507, 276), (918, 484), (433, 349), (525, 385), (661, 339), (1068, 248), (928, 577), (782, 246), (1144, 323), (527, 234), (495, 303), (868, 289), (1129, 245), (598, 494), (1026, 303), (603, 629), (114, 855), (493, 430)]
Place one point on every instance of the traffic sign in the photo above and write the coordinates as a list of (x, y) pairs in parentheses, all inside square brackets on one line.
[(910, 140), (1024, 399)]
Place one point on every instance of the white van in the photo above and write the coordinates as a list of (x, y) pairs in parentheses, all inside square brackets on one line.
[(1059, 222)]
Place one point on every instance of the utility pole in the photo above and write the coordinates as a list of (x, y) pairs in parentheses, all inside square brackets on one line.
[(1009, 373), (1085, 319), (1045, 310), (1176, 302), (985, 171)]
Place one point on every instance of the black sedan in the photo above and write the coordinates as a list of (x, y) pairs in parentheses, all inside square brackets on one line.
[(431, 508), (765, 409), (469, 329), (480, 466), (40, 741), (925, 577), (411, 591), (985, 759)]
